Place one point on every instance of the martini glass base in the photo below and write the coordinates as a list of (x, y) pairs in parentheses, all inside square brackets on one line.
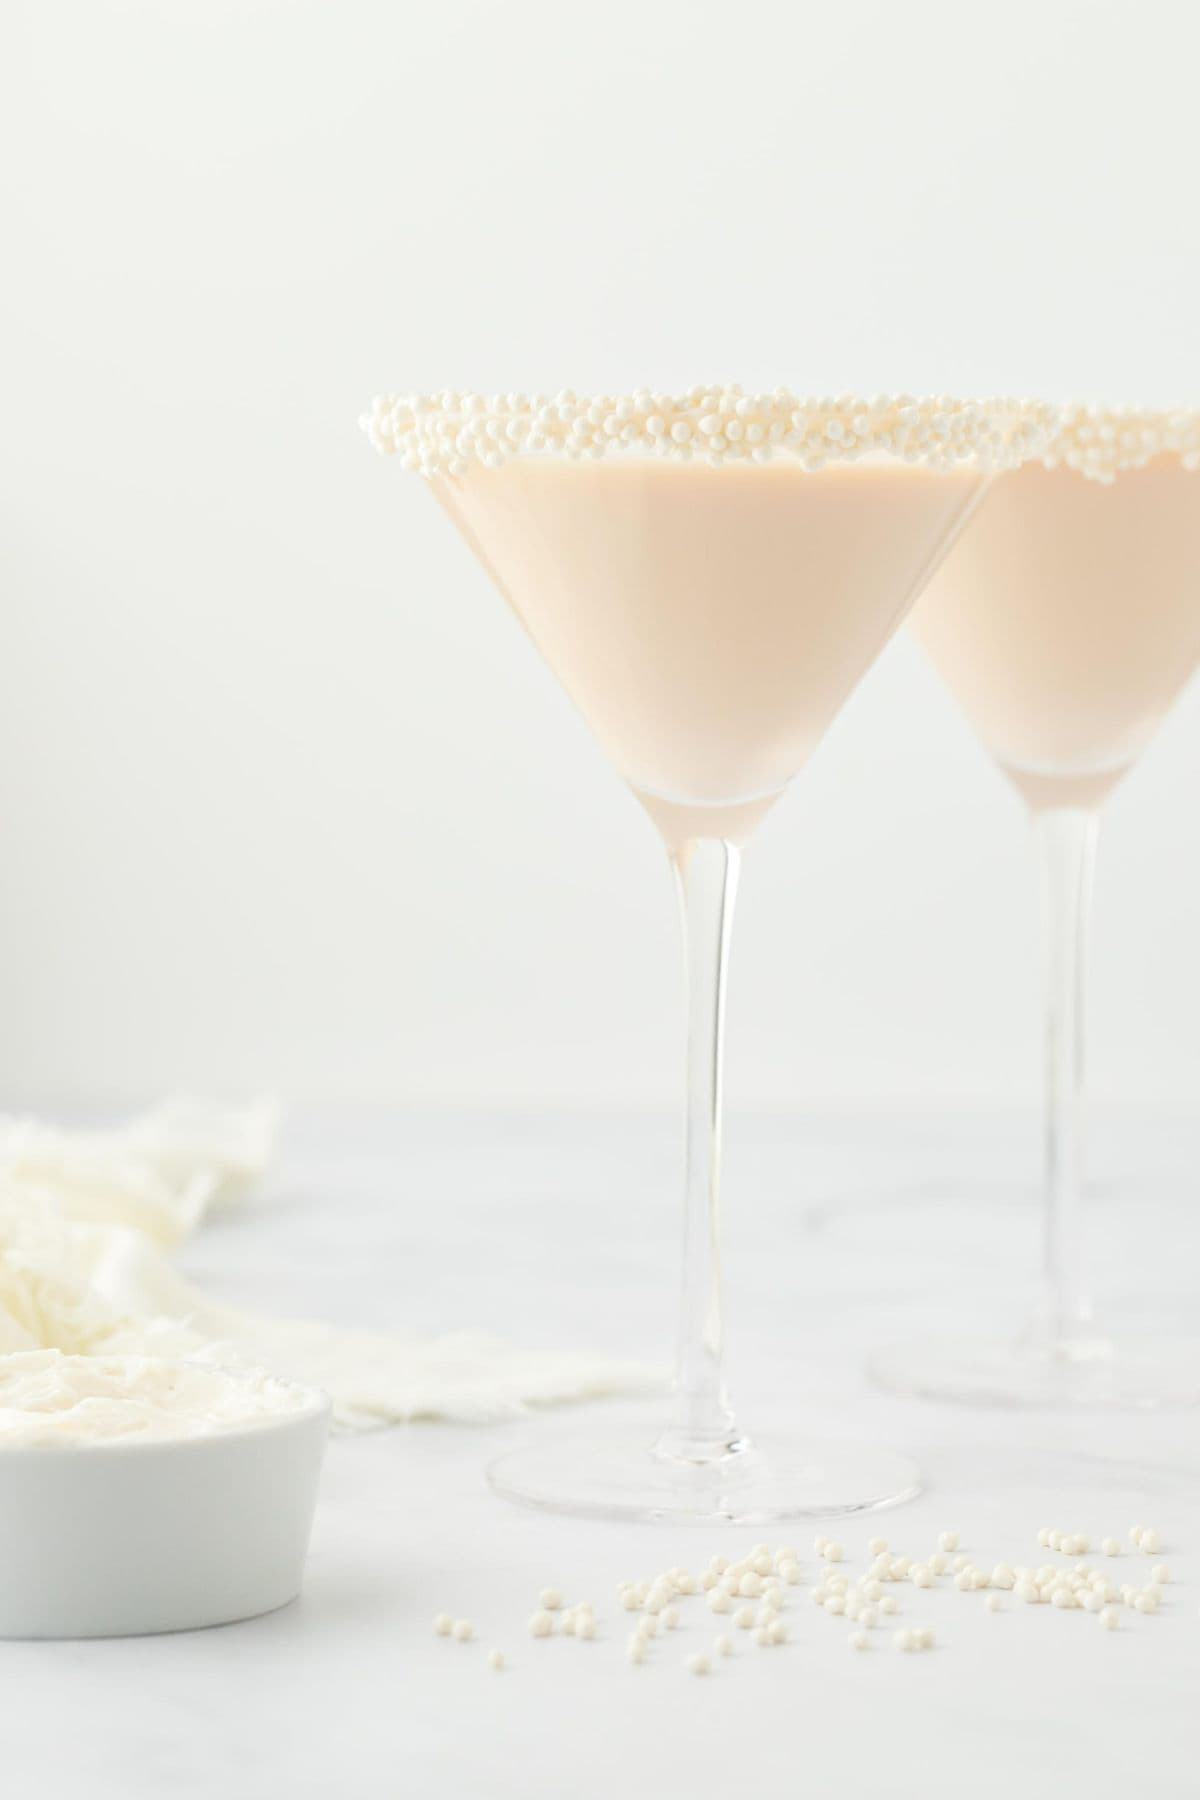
[(1095, 1371), (614, 1473)]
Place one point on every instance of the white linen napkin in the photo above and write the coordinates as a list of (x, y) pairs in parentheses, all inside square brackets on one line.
[(86, 1218)]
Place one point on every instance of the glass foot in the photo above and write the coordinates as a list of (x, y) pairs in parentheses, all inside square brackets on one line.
[(613, 1472), (1095, 1371)]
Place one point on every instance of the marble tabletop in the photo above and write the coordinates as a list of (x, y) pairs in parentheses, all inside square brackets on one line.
[(843, 1232)]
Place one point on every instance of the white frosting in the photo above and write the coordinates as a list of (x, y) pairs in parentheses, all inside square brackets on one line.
[(445, 433), (47, 1397)]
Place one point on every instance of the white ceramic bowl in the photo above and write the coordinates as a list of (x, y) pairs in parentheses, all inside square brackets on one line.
[(112, 1539)]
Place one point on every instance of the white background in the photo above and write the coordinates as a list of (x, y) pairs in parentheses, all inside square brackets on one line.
[(285, 798)]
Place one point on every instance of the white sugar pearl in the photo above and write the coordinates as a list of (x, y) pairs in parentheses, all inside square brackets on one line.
[(938, 1563), (1160, 1573), (858, 1640), (1054, 1540), (993, 1602), (790, 1572), (1083, 1544), (670, 1617), (648, 1627), (868, 1617), (1003, 1577), (777, 1631), (744, 1618), (1027, 1591), (750, 1587), (834, 1553), (1092, 1601), (1062, 1597), (719, 1601), (922, 1577), (1135, 1535), (964, 1580), (723, 1646), (698, 1664), (786, 1553), (1111, 1547), (585, 1627), (719, 1564), (948, 1541), (541, 1624), (463, 1630), (820, 1544), (888, 1604), (443, 1624), (1110, 1618), (877, 1546), (1150, 1541), (903, 1640), (900, 1567), (1146, 1601), (1044, 1536), (495, 1659), (762, 1563), (924, 1638), (708, 1580), (836, 1604), (960, 1563), (635, 1650)]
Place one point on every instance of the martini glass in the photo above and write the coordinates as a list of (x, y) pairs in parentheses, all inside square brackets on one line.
[(708, 575), (1066, 621)]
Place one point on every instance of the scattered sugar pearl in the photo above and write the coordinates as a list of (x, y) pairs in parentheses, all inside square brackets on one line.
[(719, 1601), (1110, 1618), (938, 1563), (1149, 1541), (777, 1632), (923, 1639), (698, 1664), (750, 1586), (495, 1659), (835, 1604), (635, 1650), (903, 1640), (887, 1604), (993, 1602), (1027, 1591), (744, 1618), (1054, 1540), (670, 1617), (922, 1577), (1062, 1597), (790, 1572), (1111, 1547), (1092, 1601), (960, 1563), (1146, 1601), (877, 1546), (964, 1580), (463, 1631), (648, 1627), (585, 1627), (443, 1625), (1003, 1577), (550, 1600), (834, 1553), (948, 1540), (868, 1617), (820, 1544), (858, 1640), (762, 1564), (872, 1590), (1135, 1535), (541, 1624), (900, 1567), (1044, 1536), (1160, 1574)]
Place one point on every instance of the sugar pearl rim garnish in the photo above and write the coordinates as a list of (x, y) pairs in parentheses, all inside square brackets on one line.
[(445, 433)]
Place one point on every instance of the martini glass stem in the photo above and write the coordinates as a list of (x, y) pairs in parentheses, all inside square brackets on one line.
[(706, 871), (1066, 840)]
